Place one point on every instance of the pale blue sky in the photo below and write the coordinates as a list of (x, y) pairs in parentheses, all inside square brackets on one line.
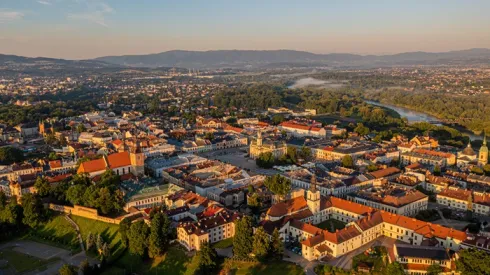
[(90, 28)]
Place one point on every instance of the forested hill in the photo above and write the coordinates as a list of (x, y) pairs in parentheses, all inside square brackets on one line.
[(242, 58), (472, 112)]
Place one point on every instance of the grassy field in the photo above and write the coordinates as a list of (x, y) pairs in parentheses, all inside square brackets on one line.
[(223, 243), (58, 232), (21, 262), (270, 268), (175, 261), (109, 232), (331, 225)]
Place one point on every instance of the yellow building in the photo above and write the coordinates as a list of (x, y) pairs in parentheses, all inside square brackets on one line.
[(258, 146), (208, 229)]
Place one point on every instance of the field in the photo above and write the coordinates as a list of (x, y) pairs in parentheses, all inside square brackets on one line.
[(21, 262), (58, 232), (175, 261), (331, 225), (271, 268), (109, 232)]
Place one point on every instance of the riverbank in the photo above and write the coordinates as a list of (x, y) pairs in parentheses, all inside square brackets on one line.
[(416, 116)]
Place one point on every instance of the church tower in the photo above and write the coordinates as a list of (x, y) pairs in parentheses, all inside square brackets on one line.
[(483, 154), (313, 197), (259, 138), (137, 158)]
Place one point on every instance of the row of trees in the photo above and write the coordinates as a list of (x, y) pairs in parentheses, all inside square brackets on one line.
[(260, 245)]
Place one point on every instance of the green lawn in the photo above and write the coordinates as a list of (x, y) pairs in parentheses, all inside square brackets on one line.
[(108, 231), (223, 243), (175, 261), (331, 225), (57, 231), (22, 262), (270, 268)]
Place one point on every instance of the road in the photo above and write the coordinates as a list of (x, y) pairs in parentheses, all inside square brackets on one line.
[(46, 252)]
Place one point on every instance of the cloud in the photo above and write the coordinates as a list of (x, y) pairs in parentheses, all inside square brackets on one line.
[(96, 14), (10, 15), (42, 2)]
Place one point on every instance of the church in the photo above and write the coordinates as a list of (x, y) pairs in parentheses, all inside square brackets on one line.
[(483, 153), (299, 218), (126, 162), (261, 146)]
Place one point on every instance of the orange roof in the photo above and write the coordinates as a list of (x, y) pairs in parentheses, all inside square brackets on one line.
[(55, 164), (113, 161), (117, 142), (433, 153), (287, 207), (293, 125), (92, 166), (385, 172), (119, 160)]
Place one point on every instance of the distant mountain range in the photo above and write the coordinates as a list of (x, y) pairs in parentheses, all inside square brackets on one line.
[(257, 59), (242, 59)]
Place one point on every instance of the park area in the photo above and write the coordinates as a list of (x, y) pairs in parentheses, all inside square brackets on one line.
[(331, 225), (373, 260), (109, 233)]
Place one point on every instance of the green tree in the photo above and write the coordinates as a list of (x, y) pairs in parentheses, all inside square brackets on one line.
[(261, 244), (89, 241), (254, 202), (138, 235), (265, 160), (292, 153), (277, 247), (99, 242), (277, 119), (33, 210), (243, 239), (477, 170), (3, 199), (437, 170), (159, 231), (372, 167), (347, 161), (12, 213), (66, 270), (361, 129), (124, 230), (473, 262), (81, 128), (305, 153), (278, 185), (486, 169), (207, 257), (434, 269), (75, 194), (9, 155), (395, 268), (42, 186)]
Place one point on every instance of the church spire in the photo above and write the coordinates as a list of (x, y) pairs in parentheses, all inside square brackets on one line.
[(313, 183), (484, 138)]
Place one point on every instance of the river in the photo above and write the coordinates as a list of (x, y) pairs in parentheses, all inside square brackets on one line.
[(414, 116)]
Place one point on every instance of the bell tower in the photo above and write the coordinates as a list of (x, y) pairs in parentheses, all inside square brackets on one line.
[(483, 153), (313, 196), (137, 158), (259, 138)]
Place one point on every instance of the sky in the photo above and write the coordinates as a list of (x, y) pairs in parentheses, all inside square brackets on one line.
[(82, 29)]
